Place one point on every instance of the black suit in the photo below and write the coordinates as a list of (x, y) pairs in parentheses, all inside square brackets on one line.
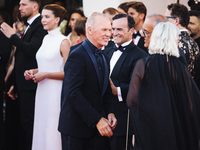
[(26, 49), (86, 94), (5, 49), (121, 77), (141, 44)]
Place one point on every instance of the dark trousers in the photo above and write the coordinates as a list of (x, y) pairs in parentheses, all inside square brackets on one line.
[(1, 120), (119, 142), (26, 108), (12, 124), (96, 142)]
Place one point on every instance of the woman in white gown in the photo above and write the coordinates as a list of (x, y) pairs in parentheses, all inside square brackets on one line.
[(51, 58)]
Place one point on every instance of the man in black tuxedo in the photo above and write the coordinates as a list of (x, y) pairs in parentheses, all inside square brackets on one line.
[(5, 50), (122, 62), (87, 96), (138, 11), (26, 49)]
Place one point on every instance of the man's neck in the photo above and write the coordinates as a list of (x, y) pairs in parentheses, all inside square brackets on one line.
[(95, 43), (181, 27), (34, 14), (139, 26)]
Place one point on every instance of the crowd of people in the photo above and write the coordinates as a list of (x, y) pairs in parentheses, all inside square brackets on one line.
[(117, 79)]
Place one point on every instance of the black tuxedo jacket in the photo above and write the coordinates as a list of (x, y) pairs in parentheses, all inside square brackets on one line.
[(141, 44), (83, 101), (121, 77), (5, 50), (26, 50)]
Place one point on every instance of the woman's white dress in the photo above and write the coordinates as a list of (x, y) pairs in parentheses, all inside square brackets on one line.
[(48, 94)]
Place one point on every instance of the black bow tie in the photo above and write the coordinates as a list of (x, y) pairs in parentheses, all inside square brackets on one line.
[(26, 23), (120, 48), (136, 34), (98, 52)]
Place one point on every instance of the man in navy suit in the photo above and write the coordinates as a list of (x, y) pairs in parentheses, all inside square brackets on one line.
[(86, 118), (26, 49), (122, 62)]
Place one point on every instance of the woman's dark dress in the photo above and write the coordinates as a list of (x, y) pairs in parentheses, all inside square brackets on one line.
[(165, 104)]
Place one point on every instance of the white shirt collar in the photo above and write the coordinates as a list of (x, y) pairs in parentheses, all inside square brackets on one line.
[(125, 44), (140, 31), (30, 21), (183, 30)]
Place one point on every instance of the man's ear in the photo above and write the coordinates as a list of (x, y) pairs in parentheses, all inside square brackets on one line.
[(89, 30), (177, 21), (141, 16), (132, 30), (35, 6)]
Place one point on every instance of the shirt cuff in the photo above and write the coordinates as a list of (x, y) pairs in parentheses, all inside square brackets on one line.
[(119, 94)]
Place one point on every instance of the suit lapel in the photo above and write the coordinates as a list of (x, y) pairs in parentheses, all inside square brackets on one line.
[(106, 76), (118, 65), (109, 52), (89, 51)]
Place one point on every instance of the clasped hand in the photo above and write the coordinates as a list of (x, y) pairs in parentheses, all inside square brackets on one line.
[(34, 75), (105, 126)]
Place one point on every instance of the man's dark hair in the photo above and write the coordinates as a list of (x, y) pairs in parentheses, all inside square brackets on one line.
[(122, 6), (194, 5), (180, 11), (130, 20), (37, 1), (195, 13), (138, 6)]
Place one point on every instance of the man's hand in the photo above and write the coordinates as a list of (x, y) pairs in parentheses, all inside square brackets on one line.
[(112, 121), (11, 93), (113, 87), (104, 127), (8, 30)]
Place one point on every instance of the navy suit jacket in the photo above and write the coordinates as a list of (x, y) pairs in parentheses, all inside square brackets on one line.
[(121, 77), (25, 54), (83, 101)]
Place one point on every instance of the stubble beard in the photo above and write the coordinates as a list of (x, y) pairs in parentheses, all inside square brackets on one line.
[(192, 35), (25, 17)]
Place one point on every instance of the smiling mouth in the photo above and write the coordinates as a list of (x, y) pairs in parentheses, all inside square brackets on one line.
[(116, 37)]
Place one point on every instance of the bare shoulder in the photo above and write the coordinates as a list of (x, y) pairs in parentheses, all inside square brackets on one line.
[(65, 42)]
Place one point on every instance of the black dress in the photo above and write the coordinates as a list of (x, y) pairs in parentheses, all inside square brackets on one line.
[(164, 103)]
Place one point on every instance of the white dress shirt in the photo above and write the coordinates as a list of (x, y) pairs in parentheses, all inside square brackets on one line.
[(136, 40), (116, 55)]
